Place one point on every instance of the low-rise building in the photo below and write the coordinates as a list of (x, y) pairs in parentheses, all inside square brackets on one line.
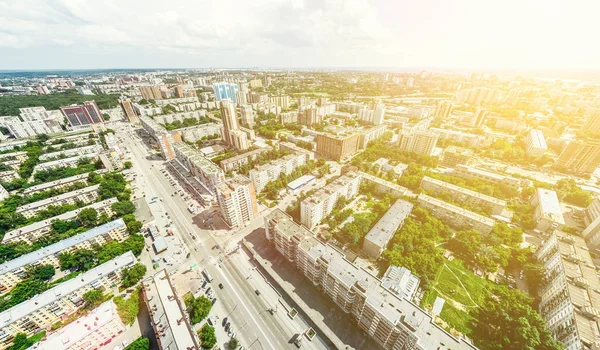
[(535, 144), (453, 156), (370, 134), (85, 195), (337, 147), (20, 156), (290, 147), (380, 235), (456, 216), (462, 138), (460, 194), (420, 142), (77, 151), (9, 175), (33, 232), (467, 172), (569, 301), (383, 309), (319, 205), (207, 172), (70, 162), (13, 271), (56, 184), (10, 145), (240, 160), (42, 310), (168, 314), (196, 133), (548, 214), (270, 172), (385, 187), (395, 170)]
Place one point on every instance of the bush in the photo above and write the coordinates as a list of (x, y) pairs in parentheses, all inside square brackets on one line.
[(140, 343), (207, 336), (128, 308), (199, 309), (133, 274)]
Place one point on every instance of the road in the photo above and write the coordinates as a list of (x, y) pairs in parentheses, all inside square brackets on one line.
[(249, 310)]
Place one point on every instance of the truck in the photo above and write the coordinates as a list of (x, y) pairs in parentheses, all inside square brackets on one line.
[(207, 275)]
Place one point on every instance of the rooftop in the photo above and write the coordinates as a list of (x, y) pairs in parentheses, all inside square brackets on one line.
[(463, 190), (51, 200), (333, 187), (55, 248), (69, 160), (455, 209), (385, 228), (85, 149), (550, 205), (51, 295), (51, 184), (197, 158)]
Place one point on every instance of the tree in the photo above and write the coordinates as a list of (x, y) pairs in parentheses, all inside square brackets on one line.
[(20, 341), (140, 343), (81, 259), (93, 297), (87, 217), (199, 309), (42, 272), (123, 208), (207, 336), (133, 274), (61, 226), (128, 165), (233, 343), (133, 226)]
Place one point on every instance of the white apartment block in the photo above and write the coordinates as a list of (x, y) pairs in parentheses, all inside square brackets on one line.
[(271, 171), (592, 222), (319, 205), (467, 172), (569, 301), (70, 162), (174, 101), (290, 147), (76, 136), (469, 140), (9, 175), (23, 129), (168, 314), (460, 194), (379, 236), (456, 216), (78, 151), (33, 232), (207, 172), (43, 310), (20, 156), (548, 214), (383, 309), (10, 145), (3, 193), (237, 200), (92, 331), (420, 142), (86, 195), (195, 133), (385, 187), (535, 143), (13, 271), (170, 118), (370, 134)]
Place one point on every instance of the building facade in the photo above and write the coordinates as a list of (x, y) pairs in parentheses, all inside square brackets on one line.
[(338, 148), (455, 216), (237, 200), (379, 236)]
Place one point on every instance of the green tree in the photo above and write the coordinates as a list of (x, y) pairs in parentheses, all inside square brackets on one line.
[(87, 217), (233, 343), (199, 309), (128, 165), (207, 336), (93, 297), (140, 343), (132, 275), (41, 272), (123, 208)]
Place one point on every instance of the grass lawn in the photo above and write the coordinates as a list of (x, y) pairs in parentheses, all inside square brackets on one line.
[(455, 283)]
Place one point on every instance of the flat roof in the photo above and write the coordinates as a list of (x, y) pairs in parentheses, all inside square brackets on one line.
[(168, 314), (537, 138), (333, 187), (385, 228), (66, 160), (550, 205), (50, 200), (51, 184), (197, 158), (92, 149), (470, 193), (52, 249), (455, 209), (38, 301), (65, 216), (301, 181)]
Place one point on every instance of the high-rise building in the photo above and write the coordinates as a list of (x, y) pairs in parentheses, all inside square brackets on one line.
[(255, 83), (443, 110), (237, 199), (379, 114), (232, 134), (580, 156), (535, 144), (479, 116), (42, 90), (309, 117), (282, 101), (267, 80), (226, 91), (127, 107), (548, 213), (592, 124), (337, 147), (421, 142), (82, 115), (247, 115), (150, 92), (179, 91)]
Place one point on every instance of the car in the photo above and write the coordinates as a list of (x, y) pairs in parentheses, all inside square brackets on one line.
[(214, 301), (257, 292), (210, 321), (232, 335), (229, 332), (227, 325), (221, 286), (224, 322)]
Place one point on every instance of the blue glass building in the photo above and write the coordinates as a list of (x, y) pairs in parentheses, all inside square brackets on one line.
[(226, 91)]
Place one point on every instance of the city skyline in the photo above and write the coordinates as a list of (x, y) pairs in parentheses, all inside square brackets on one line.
[(359, 33)]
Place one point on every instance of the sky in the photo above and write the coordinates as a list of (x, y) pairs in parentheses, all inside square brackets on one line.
[(394, 34)]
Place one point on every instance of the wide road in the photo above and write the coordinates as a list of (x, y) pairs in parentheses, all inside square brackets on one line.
[(260, 328)]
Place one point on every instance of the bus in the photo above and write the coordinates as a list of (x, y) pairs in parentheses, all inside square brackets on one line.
[(207, 275)]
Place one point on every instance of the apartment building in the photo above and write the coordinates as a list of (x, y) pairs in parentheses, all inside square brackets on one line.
[(535, 143), (271, 171), (8, 175), (172, 117), (91, 331), (70, 162), (469, 140), (150, 92), (18, 156), (33, 232), (320, 204), (236, 162), (207, 172), (455, 216), (382, 309), (13, 271), (452, 156), (337, 147), (237, 200), (10, 145), (592, 224), (380, 235), (462, 195), (569, 301), (385, 187), (128, 110), (420, 142), (164, 139), (580, 156), (292, 148), (548, 214), (288, 117), (168, 314), (370, 134), (472, 173), (85, 195), (78, 151), (41, 311), (3, 193), (30, 128), (196, 133)]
